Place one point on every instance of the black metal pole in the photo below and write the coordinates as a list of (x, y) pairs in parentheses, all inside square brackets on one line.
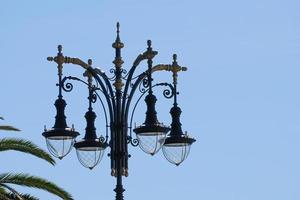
[(119, 151)]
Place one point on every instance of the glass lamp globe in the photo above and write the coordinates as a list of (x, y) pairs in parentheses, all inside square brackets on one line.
[(177, 148), (60, 141), (151, 137), (151, 134), (89, 152)]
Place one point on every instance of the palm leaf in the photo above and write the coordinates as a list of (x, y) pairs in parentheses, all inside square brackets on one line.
[(17, 196), (26, 147), (28, 197), (35, 182), (12, 196), (8, 128), (3, 194), (2, 190), (4, 197)]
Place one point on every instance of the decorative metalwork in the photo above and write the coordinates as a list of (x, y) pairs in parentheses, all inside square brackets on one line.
[(133, 141), (94, 97), (103, 139), (67, 87), (112, 71), (117, 93), (167, 93), (143, 86)]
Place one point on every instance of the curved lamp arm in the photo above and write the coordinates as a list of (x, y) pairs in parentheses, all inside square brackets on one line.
[(168, 93), (68, 87), (148, 54), (156, 68), (109, 86), (64, 59)]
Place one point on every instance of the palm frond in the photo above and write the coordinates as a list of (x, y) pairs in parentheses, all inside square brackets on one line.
[(17, 196), (35, 182), (2, 190), (12, 196), (3, 194), (4, 197), (8, 128), (26, 147)]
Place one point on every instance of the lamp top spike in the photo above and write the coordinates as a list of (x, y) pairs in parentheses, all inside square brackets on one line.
[(118, 44), (149, 43), (59, 48), (90, 61), (175, 57), (118, 28)]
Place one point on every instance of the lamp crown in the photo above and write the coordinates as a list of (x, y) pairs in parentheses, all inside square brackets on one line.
[(118, 27), (90, 62), (118, 44), (59, 48), (174, 58), (149, 43)]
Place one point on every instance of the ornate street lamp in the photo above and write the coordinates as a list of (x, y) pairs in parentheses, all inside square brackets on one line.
[(116, 98), (60, 139), (152, 134), (90, 149), (176, 147)]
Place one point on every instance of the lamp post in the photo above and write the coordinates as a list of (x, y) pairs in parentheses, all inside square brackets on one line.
[(115, 97)]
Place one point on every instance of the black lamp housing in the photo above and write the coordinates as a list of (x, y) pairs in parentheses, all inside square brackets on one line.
[(60, 132), (151, 124), (151, 133), (176, 136), (90, 149)]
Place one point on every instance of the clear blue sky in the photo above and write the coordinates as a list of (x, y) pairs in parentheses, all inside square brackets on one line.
[(240, 97)]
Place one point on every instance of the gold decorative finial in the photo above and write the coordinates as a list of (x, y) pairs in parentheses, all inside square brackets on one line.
[(175, 68), (59, 59), (113, 172), (125, 172), (149, 54), (118, 45)]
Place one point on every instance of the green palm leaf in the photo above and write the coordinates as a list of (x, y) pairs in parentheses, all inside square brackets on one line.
[(4, 197), (8, 128), (17, 196), (35, 182), (12, 196), (3, 194), (26, 147)]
